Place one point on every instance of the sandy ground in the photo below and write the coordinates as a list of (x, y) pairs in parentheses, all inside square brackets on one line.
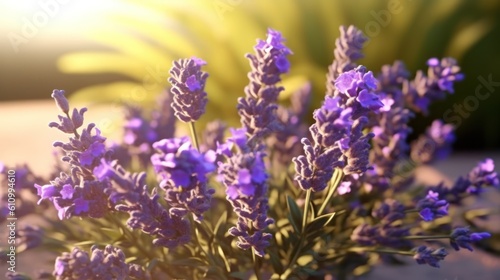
[(25, 137)]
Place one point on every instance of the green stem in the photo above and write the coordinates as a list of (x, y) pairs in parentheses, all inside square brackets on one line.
[(429, 237), (193, 136), (302, 233), (386, 251), (256, 268), (306, 210), (332, 188)]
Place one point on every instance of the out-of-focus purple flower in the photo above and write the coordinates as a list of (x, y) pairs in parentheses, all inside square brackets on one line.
[(389, 211), (435, 144), (285, 143), (213, 135), (390, 131), (257, 108), (423, 90), (183, 174), (102, 264), (462, 237), (383, 234), (426, 255), (141, 131), (188, 84), (9, 275), (244, 175), (392, 77), (483, 174), (348, 48), (29, 237), (431, 207)]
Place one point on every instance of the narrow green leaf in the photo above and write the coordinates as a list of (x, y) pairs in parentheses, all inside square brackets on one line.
[(239, 275), (295, 214), (192, 262), (222, 220), (223, 257), (276, 263)]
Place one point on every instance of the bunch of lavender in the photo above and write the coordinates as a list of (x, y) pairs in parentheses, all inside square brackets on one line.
[(274, 199)]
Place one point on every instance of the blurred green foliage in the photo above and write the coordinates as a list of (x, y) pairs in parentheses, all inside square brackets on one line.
[(143, 44)]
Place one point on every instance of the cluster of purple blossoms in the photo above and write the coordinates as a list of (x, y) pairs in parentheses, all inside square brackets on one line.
[(388, 230), (462, 237), (347, 50), (431, 207), (77, 194), (245, 178), (426, 255), (182, 172), (482, 175), (188, 89), (101, 264), (338, 136), (285, 142), (435, 144), (141, 132), (257, 109), (25, 202), (146, 212), (213, 135), (390, 128), (440, 79)]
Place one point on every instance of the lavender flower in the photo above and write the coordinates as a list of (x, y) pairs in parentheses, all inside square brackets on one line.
[(423, 90), (16, 276), (385, 235), (102, 264), (188, 83), (213, 135), (435, 144), (77, 194), (431, 207), (257, 108), (388, 231), (356, 89), (392, 78), (140, 132), (183, 174), (483, 174), (146, 212), (389, 142), (285, 142), (315, 168), (29, 237), (245, 179), (76, 198), (462, 237), (426, 255), (148, 215), (25, 193), (348, 48)]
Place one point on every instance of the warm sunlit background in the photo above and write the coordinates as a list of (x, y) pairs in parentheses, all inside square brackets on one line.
[(111, 51)]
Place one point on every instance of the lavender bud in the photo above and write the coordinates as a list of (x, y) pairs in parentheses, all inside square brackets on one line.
[(61, 100)]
